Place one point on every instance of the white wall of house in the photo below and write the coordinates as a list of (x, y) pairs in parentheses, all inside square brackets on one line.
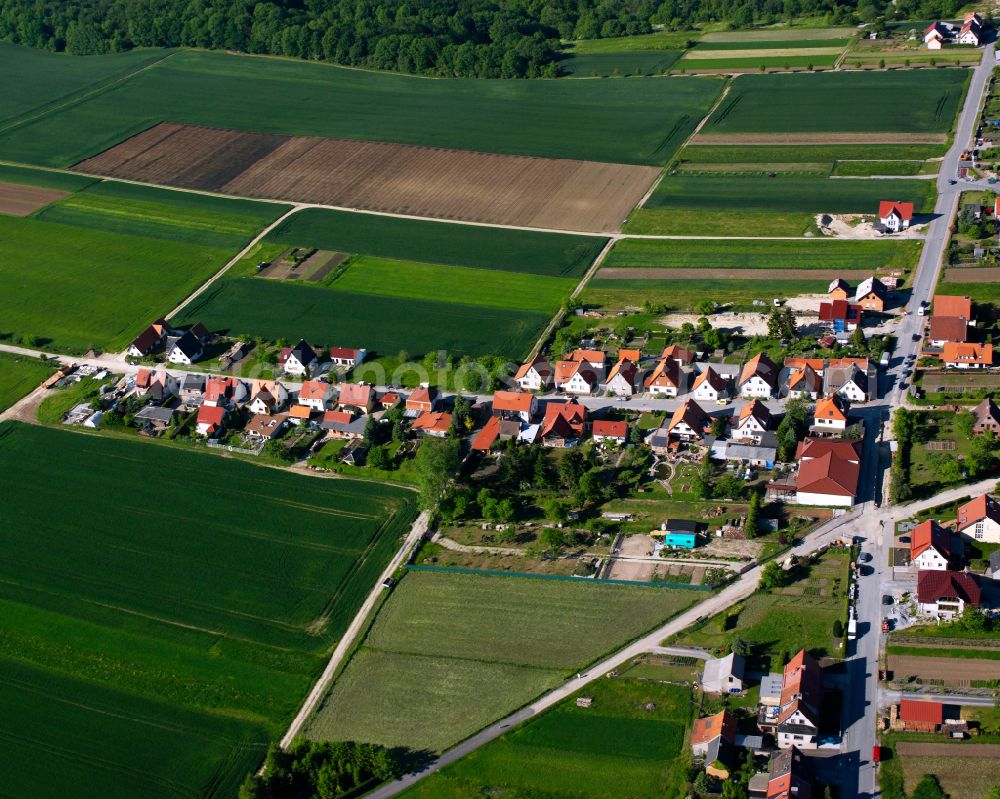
[(577, 385), (830, 424), (620, 387), (985, 530), (931, 560), (823, 500), (852, 391), (532, 381), (756, 386)]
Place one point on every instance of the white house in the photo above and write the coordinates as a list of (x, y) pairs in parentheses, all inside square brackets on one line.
[(979, 519), (347, 356), (300, 359), (267, 396), (316, 394), (971, 32), (849, 382), (534, 376), (148, 340), (710, 386), (754, 420), (210, 420), (723, 675), (895, 216), (829, 471), (945, 594), (666, 380), (930, 546), (595, 359), (830, 415), (804, 383), (688, 422), (759, 377), (575, 377), (186, 350), (622, 378)]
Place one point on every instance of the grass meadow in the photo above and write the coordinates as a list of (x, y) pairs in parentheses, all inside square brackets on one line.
[(552, 254), (744, 61), (904, 101), (26, 176), (706, 222), (617, 747), (744, 254), (619, 121), (452, 652), (684, 294), (620, 64), (20, 376), (154, 641)]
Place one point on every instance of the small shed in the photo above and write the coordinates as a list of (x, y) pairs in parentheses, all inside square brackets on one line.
[(723, 675), (770, 689)]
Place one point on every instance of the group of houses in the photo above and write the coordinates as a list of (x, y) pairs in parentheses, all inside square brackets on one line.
[(944, 588), (970, 32), (789, 713), (947, 336), (844, 311)]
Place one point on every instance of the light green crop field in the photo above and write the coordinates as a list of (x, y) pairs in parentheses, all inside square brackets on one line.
[(26, 176), (490, 288), (902, 101), (703, 222), (19, 376), (683, 294), (744, 61), (764, 45), (619, 121), (777, 35), (621, 64), (627, 743), (553, 254), (155, 641), (660, 40), (743, 254), (805, 153), (451, 652)]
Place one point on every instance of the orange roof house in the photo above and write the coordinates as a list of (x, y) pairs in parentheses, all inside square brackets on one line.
[(514, 402), (564, 423), (605, 429), (949, 305), (675, 352), (355, 395), (830, 411), (432, 423), (930, 546), (422, 399), (666, 378), (829, 470), (967, 356), (688, 422), (711, 727), (487, 437)]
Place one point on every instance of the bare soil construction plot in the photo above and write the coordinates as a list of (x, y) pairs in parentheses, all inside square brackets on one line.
[(642, 273), (819, 138), (950, 671), (379, 176), (20, 200), (974, 275), (313, 268)]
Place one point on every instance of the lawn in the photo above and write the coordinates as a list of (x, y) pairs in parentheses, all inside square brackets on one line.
[(69, 287), (806, 153), (490, 288), (928, 473), (787, 619), (786, 193), (684, 294), (902, 101), (983, 292), (742, 254), (461, 650), (629, 742), (277, 310), (20, 376), (553, 254), (153, 642), (619, 121)]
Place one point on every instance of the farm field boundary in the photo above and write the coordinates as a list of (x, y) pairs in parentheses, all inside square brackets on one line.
[(563, 577), (379, 176)]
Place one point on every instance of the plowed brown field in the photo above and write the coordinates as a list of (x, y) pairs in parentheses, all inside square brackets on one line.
[(379, 176), (19, 200), (951, 671)]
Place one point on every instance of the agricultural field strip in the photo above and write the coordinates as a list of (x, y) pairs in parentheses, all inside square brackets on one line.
[(751, 55), (776, 35)]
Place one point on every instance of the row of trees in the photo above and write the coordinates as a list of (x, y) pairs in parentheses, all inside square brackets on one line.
[(468, 38)]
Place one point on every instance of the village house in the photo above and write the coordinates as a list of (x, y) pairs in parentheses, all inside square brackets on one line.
[(156, 386), (762, 452), (688, 422), (710, 386), (299, 360), (423, 399), (346, 356), (804, 383), (849, 381), (192, 387), (264, 427), (871, 295), (987, 416), (344, 424), (979, 519), (515, 405), (622, 378), (148, 340), (953, 305), (790, 776), (841, 316), (759, 377), (185, 350), (943, 330), (564, 424), (795, 721), (935, 36), (971, 32), (357, 397), (154, 418), (595, 360), (432, 423), (930, 546), (830, 416), (210, 420), (712, 739), (299, 414), (724, 675), (388, 400), (829, 470), (753, 421), (316, 394), (666, 380), (839, 289), (967, 356), (946, 594), (266, 396), (534, 376), (487, 436), (575, 377), (895, 216), (606, 430), (675, 352), (224, 391)]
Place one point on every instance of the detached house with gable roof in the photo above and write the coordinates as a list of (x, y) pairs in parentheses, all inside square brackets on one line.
[(267, 396), (795, 720), (946, 594), (712, 738), (299, 360), (316, 394), (753, 421), (871, 294), (186, 350), (355, 397), (596, 360), (564, 424), (829, 470), (148, 340), (979, 519), (210, 421), (790, 777), (759, 377), (346, 356), (966, 355), (622, 378), (534, 376), (515, 405), (895, 216), (830, 416), (575, 377), (804, 383), (710, 386), (688, 422), (987, 418), (930, 546), (666, 380)]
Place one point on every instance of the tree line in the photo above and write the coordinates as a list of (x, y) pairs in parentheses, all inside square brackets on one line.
[(448, 38)]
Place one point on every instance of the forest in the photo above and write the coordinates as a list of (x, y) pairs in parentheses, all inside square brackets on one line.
[(447, 38)]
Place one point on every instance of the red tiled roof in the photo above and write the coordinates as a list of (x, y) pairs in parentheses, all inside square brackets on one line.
[(666, 373), (344, 352), (690, 413), (514, 401), (299, 412), (611, 429), (433, 421), (337, 417), (632, 355), (761, 365), (676, 352), (487, 437), (313, 390), (354, 394), (928, 712), (951, 305), (143, 378), (830, 408), (542, 366), (828, 467), (929, 534), (564, 419), (935, 585), (211, 414), (799, 363), (972, 354), (758, 410), (982, 507), (147, 339), (421, 396), (593, 357), (948, 328), (839, 309), (801, 687), (713, 378), (711, 727), (903, 210)]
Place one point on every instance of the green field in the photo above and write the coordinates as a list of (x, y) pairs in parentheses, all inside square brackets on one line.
[(778, 34), (868, 168), (983, 292), (787, 193), (26, 176), (490, 288), (620, 121), (554, 254), (713, 45), (154, 641), (748, 63), (684, 294), (743, 254), (626, 63), (617, 747), (153, 213), (452, 652), (19, 376), (385, 325), (703, 222), (806, 153), (903, 101), (660, 40)]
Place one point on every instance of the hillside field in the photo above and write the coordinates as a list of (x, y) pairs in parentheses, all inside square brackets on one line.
[(154, 641), (616, 747), (619, 121), (458, 651)]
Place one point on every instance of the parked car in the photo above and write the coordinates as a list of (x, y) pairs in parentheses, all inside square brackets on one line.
[(887, 599)]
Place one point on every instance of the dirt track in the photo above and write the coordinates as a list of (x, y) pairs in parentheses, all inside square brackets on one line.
[(820, 138), (640, 273), (951, 671), (973, 275), (380, 176), (18, 200)]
